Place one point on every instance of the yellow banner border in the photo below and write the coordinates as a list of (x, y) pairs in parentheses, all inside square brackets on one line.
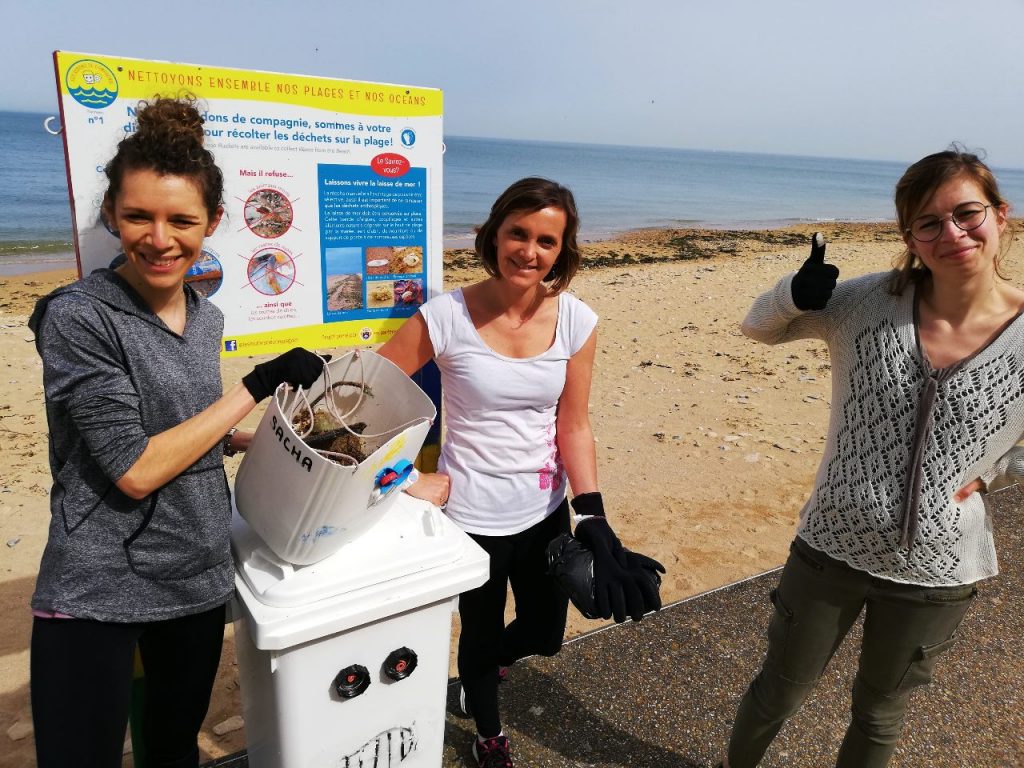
[(332, 335), (144, 79)]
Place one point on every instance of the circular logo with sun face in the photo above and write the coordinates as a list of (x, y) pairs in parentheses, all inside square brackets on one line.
[(91, 83)]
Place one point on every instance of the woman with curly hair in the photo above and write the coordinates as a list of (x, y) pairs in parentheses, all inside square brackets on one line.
[(138, 549)]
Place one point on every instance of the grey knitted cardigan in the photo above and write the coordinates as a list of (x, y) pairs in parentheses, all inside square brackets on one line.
[(856, 511), (114, 374)]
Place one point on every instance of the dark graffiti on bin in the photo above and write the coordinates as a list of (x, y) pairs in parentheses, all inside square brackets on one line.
[(386, 749)]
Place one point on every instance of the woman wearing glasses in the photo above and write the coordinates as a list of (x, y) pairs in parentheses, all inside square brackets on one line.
[(927, 407)]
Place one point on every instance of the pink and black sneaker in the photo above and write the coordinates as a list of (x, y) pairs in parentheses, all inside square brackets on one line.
[(492, 753)]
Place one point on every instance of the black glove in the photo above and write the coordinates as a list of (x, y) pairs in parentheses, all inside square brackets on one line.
[(571, 565), (298, 367), (618, 589), (812, 286), (642, 567)]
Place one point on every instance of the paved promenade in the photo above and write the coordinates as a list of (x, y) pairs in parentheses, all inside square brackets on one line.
[(661, 694)]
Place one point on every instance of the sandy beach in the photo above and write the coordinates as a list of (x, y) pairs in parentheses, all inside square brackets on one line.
[(707, 442)]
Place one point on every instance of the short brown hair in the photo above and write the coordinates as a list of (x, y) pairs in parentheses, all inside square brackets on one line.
[(917, 186), (529, 195)]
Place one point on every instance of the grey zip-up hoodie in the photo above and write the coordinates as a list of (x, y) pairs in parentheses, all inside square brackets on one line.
[(114, 374)]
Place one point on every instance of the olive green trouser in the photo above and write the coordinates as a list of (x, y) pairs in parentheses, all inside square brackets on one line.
[(906, 629)]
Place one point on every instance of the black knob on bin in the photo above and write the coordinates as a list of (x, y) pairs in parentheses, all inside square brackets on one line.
[(400, 663), (352, 681)]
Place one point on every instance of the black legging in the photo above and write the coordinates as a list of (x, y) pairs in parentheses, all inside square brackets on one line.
[(81, 678), (539, 625)]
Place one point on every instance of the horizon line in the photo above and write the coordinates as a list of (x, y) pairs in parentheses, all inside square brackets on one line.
[(634, 146)]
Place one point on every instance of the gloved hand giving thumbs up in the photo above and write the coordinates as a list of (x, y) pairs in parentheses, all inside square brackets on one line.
[(812, 286)]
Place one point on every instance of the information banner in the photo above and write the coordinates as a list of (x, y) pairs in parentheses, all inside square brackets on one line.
[(332, 234)]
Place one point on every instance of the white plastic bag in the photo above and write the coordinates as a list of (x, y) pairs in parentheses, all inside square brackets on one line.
[(306, 504)]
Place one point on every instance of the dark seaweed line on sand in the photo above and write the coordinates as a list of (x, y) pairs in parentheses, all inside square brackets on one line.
[(685, 245)]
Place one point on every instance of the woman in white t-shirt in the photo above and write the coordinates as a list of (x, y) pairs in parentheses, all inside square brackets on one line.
[(516, 356)]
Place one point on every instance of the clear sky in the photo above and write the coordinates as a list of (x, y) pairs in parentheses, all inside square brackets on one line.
[(887, 79)]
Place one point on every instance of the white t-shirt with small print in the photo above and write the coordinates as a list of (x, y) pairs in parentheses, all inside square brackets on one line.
[(499, 446)]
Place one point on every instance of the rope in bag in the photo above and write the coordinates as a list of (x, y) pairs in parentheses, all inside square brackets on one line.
[(301, 398)]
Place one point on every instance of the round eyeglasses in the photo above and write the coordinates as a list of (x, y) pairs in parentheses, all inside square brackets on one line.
[(967, 216)]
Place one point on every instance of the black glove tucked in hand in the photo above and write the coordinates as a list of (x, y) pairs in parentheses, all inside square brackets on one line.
[(812, 286), (572, 566), (621, 587), (298, 367)]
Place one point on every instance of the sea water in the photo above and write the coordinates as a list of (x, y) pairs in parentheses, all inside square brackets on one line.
[(620, 188), (617, 188), (34, 208)]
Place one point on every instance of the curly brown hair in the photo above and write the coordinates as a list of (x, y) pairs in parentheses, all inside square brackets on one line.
[(530, 195), (169, 141)]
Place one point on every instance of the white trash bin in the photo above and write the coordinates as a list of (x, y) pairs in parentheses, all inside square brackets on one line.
[(344, 663)]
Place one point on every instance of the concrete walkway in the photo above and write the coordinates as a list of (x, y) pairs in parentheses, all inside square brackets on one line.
[(661, 693)]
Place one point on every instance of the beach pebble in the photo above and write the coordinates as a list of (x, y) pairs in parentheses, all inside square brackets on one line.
[(12, 543), (20, 730), (234, 723)]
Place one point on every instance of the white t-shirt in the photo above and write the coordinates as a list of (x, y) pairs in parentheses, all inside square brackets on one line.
[(499, 447)]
